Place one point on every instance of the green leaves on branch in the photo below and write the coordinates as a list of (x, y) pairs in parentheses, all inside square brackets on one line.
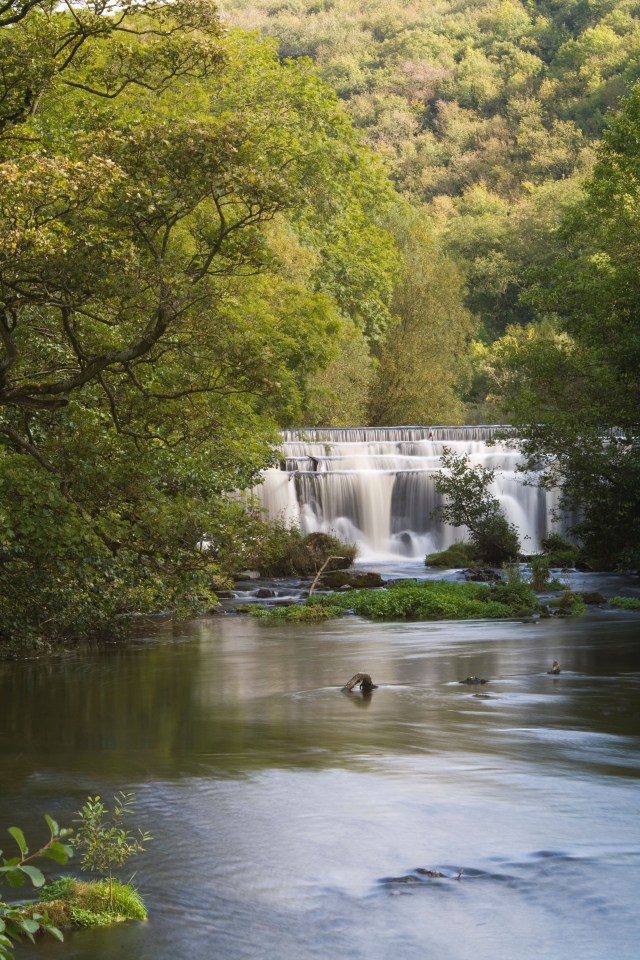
[(16, 871), (102, 838), (469, 503)]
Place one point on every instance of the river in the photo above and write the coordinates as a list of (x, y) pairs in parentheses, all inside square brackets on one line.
[(281, 808)]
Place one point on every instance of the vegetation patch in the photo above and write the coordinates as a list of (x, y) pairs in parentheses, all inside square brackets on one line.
[(625, 603), (73, 903), (411, 600), (457, 555), (278, 550), (568, 604), (560, 552)]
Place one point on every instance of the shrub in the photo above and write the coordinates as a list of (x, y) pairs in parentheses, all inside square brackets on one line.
[(278, 550), (539, 572), (560, 552), (457, 555)]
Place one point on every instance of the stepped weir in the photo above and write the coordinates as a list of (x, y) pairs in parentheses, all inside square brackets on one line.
[(374, 486)]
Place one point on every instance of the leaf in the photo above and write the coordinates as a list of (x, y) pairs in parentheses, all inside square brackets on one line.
[(59, 852), (36, 876), (15, 878), (18, 836), (53, 826)]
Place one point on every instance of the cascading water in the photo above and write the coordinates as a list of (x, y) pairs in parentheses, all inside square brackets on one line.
[(374, 486)]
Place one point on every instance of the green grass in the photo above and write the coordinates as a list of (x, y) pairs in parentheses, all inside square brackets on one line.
[(74, 903), (625, 603)]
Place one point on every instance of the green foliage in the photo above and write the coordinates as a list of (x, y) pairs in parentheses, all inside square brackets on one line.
[(103, 839), (76, 904), (571, 386), (539, 572), (457, 555), (469, 503), (410, 600), (421, 361), (310, 613), (15, 922), (279, 550), (515, 591), (487, 112), (559, 552), (625, 603), (568, 604), (188, 226)]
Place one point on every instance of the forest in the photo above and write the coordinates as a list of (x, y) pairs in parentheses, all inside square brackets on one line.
[(219, 221)]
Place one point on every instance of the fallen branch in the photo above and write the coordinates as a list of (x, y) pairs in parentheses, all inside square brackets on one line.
[(363, 680), (320, 572)]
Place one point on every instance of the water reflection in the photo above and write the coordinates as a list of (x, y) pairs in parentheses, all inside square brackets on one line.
[(279, 804)]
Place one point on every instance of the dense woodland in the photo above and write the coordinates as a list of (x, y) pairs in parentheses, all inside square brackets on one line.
[(216, 223)]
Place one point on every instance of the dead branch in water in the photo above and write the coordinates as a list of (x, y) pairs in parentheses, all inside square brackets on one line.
[(363, 680), (320, 572)]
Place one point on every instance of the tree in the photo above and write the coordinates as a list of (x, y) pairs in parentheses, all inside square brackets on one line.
[(151, 336), (469, 503), (103, 839), (572, 386), (421, 363)]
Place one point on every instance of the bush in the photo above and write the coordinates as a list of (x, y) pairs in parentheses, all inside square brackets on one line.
[(457, 555), (495, 539), (560, 552), (539, 572), (278, 550)]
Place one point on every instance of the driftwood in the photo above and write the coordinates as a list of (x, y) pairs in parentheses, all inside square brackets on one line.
[(433, 874), (362, 680), (320, 572)]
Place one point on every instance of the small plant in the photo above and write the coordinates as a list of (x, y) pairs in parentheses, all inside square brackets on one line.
[(540, 573), (103, 839)]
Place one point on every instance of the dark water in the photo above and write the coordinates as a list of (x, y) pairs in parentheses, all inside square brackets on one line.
[(279, 805)]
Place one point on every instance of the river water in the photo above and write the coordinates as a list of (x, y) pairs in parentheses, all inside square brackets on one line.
[(281, 808)]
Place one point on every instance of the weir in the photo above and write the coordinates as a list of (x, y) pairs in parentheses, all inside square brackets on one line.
[(374, 486)]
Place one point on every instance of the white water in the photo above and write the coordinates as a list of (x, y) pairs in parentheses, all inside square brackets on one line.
[(375, 487)]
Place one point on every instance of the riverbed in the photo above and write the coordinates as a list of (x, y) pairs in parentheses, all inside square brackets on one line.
[(285, 813)]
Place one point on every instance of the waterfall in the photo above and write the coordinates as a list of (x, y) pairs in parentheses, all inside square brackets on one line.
[(374, 486)]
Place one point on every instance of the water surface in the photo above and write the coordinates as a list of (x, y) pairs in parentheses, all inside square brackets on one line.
[(283, 809)]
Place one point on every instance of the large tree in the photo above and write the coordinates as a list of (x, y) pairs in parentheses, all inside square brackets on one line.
[(153, 332), (573, 384), (421, 362)]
